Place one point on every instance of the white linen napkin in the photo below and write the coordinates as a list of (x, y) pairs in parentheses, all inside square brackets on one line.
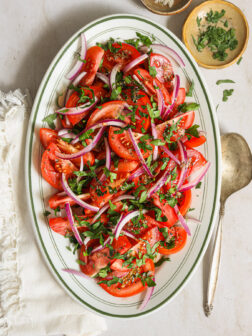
[(31, 301)]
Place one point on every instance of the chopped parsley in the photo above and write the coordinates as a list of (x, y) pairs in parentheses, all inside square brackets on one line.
[(222, 81), (226, 94), (50, 120)]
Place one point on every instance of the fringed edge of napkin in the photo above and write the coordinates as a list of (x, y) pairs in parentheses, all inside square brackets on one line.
[(10, 281)]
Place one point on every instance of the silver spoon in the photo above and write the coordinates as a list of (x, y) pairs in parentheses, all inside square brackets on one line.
[(236, 174)]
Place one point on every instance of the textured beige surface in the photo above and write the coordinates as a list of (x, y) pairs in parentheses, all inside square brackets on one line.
[(31, 32)]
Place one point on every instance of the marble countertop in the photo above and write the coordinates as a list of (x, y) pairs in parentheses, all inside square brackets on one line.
[(31, 32)]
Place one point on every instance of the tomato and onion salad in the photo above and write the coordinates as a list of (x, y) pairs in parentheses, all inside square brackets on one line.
[(123, 163)]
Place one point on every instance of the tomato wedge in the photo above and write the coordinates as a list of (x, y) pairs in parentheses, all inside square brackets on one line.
[(122, 145), (184, 121), (124, 54), (52, 166), (131, 285), (57, 200), (196, 161), (93, 60), (47, 136), (195, 142), (163, 67), (178, 236), (141, 100), (110, 110), (73, 101)]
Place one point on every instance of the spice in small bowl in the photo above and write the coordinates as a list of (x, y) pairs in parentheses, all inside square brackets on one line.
[(216, 34), (166, 7)]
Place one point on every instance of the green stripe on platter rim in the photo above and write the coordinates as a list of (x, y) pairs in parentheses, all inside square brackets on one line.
[(29, 156)]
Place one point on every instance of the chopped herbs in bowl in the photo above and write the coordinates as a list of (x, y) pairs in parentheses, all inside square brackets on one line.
[(216, 33)]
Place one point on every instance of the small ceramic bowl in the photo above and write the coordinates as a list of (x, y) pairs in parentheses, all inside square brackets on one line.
[(159, 8), (236, 20)]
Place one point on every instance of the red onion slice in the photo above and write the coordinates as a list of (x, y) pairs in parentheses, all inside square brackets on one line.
[(102, 77), (193, 183), (183, 155), (124, 220), (99, 124), (77, 200), (182, 220), (138, 152), (154, 134), (140, 83), (174, 97), (168, 52), (71, 221), (63, 131), (112, 77), (160, 98), (77, 110), (81, 169), (170, 154), (78, 65), (137, 173), (128, 234), (85, 149), (100, 247), (160, 182), (105, 207), (74, 272), (74, 83), (147, 297), (108, 159), (135, 62)]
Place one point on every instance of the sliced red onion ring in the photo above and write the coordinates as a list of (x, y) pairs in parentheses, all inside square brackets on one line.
[(193, 220), (85, 149), (138, 152), (102, 77), (63, 131), (154, 134), (77, 200), (124, 220), (99, 124), (112, 77), (108, 159), (168, 52), (160, 98), (147, 297), (137, 173), (193, 183), (71, 221), (74, 83), (106, 206), (170, 154), (74, 272), (174, 97), (140, 83), (100, 247), (68, 135), (135, 62), (183, 156), (81, 169), (160, 182), (118, 274), (78, 65), (130, 235), (86, 240), (77, 110), (182, 220)]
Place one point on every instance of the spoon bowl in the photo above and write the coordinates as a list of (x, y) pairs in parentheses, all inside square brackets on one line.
[(236, 164)]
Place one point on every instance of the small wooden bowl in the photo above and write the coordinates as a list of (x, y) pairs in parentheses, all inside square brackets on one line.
[(236, 20), (158, 8)]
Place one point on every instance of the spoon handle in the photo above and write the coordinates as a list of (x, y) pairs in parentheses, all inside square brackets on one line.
[(215, 263)]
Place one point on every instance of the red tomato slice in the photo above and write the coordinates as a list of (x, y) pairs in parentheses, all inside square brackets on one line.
[(122, 145), (144, 76), (124, 166), (163, 67), (121, 245), (185, 121), (196, 161), (75, 97), (183, 203), (52, 166), (195, 142), (180, 237), (47, 136), (93, 60), (181, 96), (62, 226), (132, 287), (125, 54), (141, 101), (57, 200), (110, 110)]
